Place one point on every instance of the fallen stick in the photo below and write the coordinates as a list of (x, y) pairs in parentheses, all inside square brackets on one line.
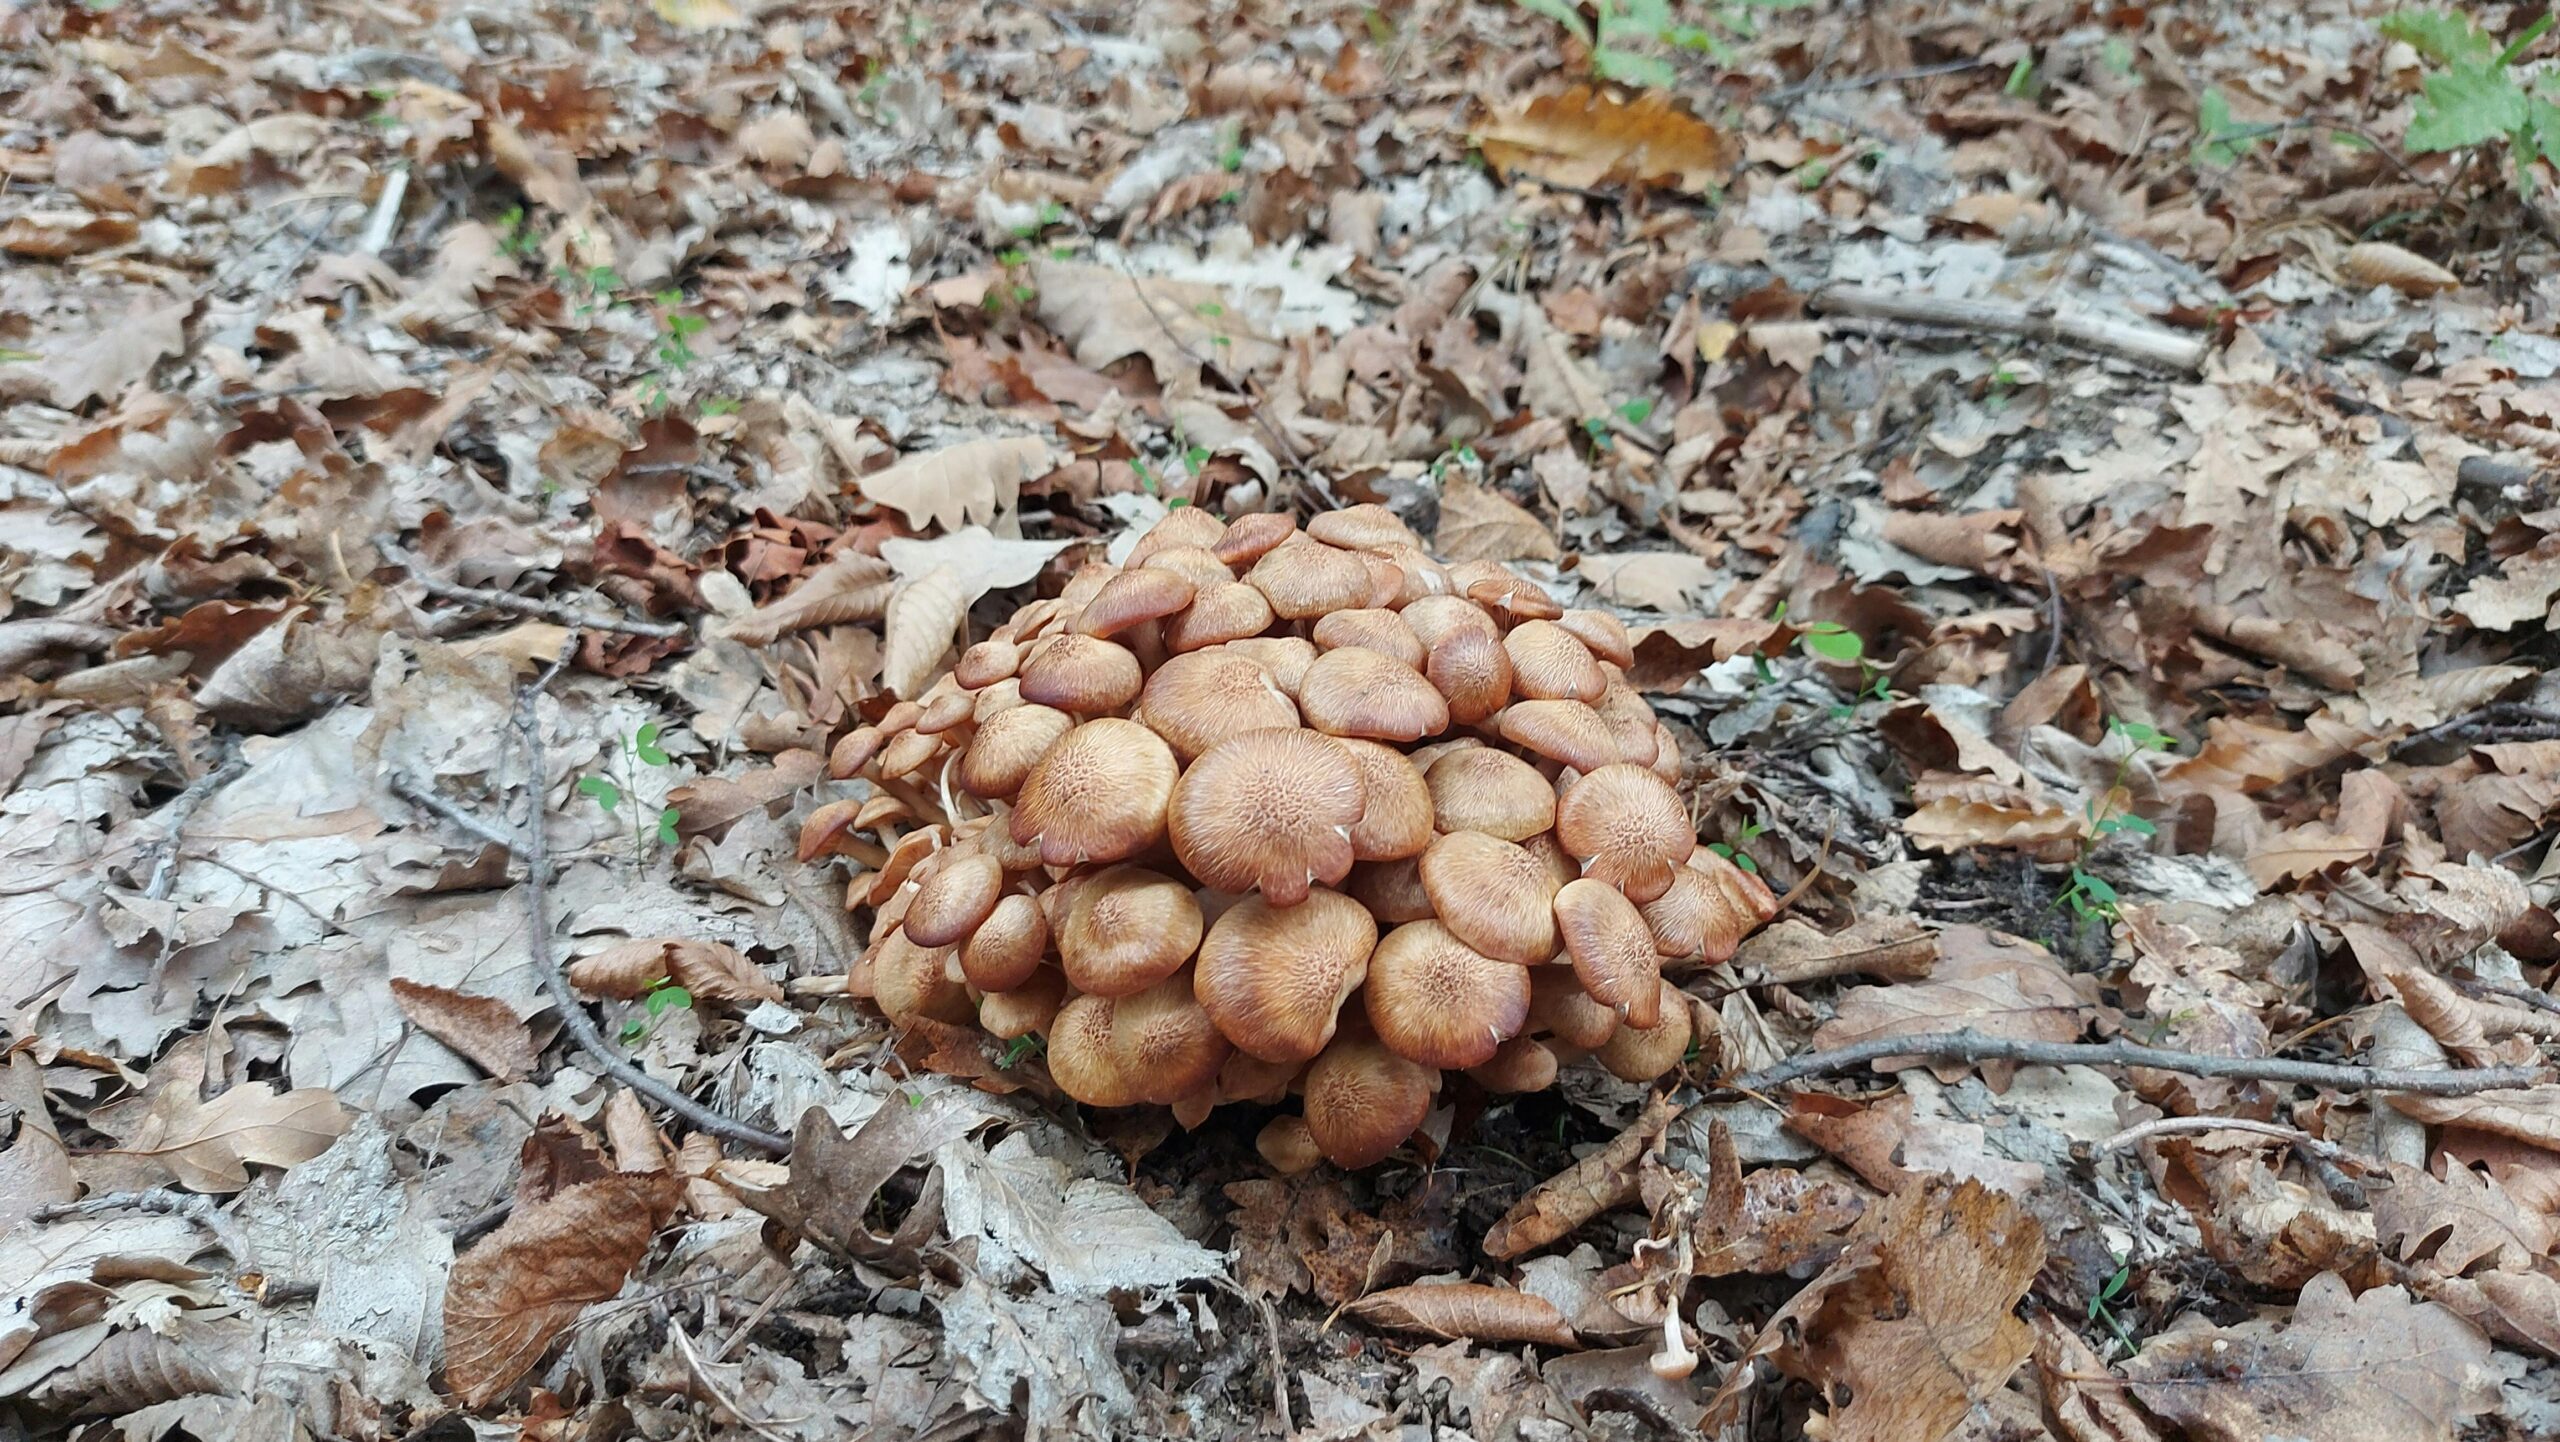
[(556, 611), (2134, 341), (534, 851), (1975, 1046)]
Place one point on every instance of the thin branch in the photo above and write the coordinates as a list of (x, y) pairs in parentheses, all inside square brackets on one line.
[(200, 1210), (2131, 340), (2163, 1126), (462, 820), (182, 809), (1976, 1046), (1785, 93), (2499, 720), (556, 611)]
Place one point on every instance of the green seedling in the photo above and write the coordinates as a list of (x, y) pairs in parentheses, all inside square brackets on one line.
[(662, 997), (2221, 140), (516, 235), (2478, 94), (2086, 893), (1726, 849), (641, 748), (2102, 1307), (1021, 1047)]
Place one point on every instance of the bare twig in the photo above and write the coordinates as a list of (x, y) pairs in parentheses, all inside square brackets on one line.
[(1785, 93), (557, 611), (534, 851), (702, 1377), (181, 810), (1976, 1046), (199, 1210), (2497, 721), (2163, 1126), (2130, 340)]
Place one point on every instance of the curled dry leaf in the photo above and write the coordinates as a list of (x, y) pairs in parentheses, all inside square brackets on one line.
[(1468, 1310), (2457, 1223), (2379, 1367), (1477, 524), (834, 1177), (1795, 950), (2375, 262), (972, 483), (1599, 1182), (515, 1292), (924, 616), (1588, 137), (851, 586), (484, 1030), (711, 970)]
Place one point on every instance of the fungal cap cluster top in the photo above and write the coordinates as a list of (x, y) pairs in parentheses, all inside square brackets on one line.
[(1265, 811)]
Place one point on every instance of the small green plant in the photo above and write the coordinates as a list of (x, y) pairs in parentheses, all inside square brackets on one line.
[(2022, 83), (1231, 147), (663, 996), (640, 748), (1629, 31), (674, 351), (2478, 95), (2102, 1306), (720, 406), (2086, 893), (1457, 453), (516, 235), (1021, 1047), (1726, 849), (2220, 139)]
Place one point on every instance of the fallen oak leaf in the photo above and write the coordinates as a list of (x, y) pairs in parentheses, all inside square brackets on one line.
[(710, 970), (834, 1177), (1466, 1310), (1588, 137), (1477, 524), (484, 1030), (972, 483), (206, 1146), (510, 1296), (2455, 1223)]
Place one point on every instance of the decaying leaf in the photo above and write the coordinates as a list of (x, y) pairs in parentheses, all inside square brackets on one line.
[(2378, 1367), (528, 1280), (851, 586), (924, 620), (713, 971), (834, 1177), (1468, 1310), (1600, 1181), (482, 1028), (1478, 524), (207, 1146), (2376, 262), (1589, 137), (2458, 1222), (2016, 990)]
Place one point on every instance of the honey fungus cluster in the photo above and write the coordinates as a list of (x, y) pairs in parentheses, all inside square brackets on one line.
[(1265, 811)]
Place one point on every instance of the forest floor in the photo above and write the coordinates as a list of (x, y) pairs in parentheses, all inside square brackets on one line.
[(2078, 478)]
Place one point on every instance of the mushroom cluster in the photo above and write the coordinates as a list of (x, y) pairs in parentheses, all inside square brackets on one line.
[(1264, 810)]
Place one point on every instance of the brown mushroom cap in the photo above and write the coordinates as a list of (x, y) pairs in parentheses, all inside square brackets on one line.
[(1639, 1054), (910, 981), (1491, 584), (1180, 527), (1358, 692), (855, 750), (1363, 1101), (1288, 1147), (987, 662), (1392, 890), (1008, 746), (1030, 1007), (1099, 795), (907, 753), (1081, 1057), (1741, 901), (1433, 618), (1083, 674), (1395, 818), (1567, 732), (1217, 614), (1423, 576), (1200, 698), (950, 904), (947, 709), (1627, 827), (1666, 754), (1005, 951), (1268, 810), (1363, 527), (1549, 663), (1630, 719), (1196, 564), (1127, 929), (1164, 1042), (1133, 597), (1612, 949), (1498, 898), (1680, 916), (1605, 634), (1523, 1064), (1495, 792), (1249, 538), (1248, 1078), (1274, 978), (1472, 672), (1436, 1000), (1559, 1007), (1304, 578), (1377, 628), (1285, 657)]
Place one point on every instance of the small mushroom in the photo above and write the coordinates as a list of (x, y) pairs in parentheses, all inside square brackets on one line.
[(1127, 929), (1268, 810), (1364, 1101), (1495, 792), (1274, 978), (1438, 1001), (1627, 827), (1498, 898), (1359, 692), (1099, 795)]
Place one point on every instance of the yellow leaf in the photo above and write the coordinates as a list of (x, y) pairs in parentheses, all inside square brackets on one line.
[(698, 14), (1587, 138)]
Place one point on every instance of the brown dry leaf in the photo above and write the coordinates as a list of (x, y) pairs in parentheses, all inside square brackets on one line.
[(2457, 1222), (2369, 808), (2484, 815), (2521, 1308), (2375, 262), (1599, 1182), (2277, 1234), (924, 616), (518, 1289), (1670, 656), (1466, 1310), (1480, 524), (207, 1146), (2521, 591), (2527, 1114), (1770, 1220), (120, 353), (1956, 813), (851, 586), (485, 1030), (2372, 1368), (712, 970), (974, 482), (1587, 137), (835, 1177), (714, 801), (1179, 326), (1793, 950), (2014, 991), (1556, 383), (1647, 580), (2085, 1400)]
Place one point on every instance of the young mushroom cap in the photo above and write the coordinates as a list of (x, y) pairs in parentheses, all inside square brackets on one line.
[(1083, 674), (1127, 929), (1008, 746), (1498, 898), (1363, 1101), (910, 981), (1359, 692), (1549, 663), (987, 662), (1268, 810), (1081, 1058), (1200, 698), (1482, 789), (1363, 527), (950, 904), (1472, 672), (1099, 795), (1182, 526), (1522, 1064), (1395, 817), (1288, 1147), (1133, 597), (907, 753), (1249, 538), (855, 750), (1005, 951), (1639, 1054), (1630, 719), (1304, 578), (1559, 1007), (1438, 1001), (1028, 1008), (1627, 827), (1196, 564), (1741, 901), (1680, 917), (1285, 657), (1604, 633), (1165, 1043), (1434, 619), (1612, 949), (1217, 614), (1566, 732), (1378, 629), (1274, 978)]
